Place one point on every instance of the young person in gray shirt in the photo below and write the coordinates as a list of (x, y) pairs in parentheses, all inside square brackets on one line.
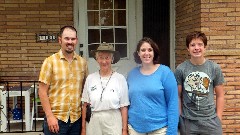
[(197, 79)]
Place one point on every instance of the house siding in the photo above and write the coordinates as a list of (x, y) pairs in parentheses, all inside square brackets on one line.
[(21, 56), (20, 20), (219, 20)]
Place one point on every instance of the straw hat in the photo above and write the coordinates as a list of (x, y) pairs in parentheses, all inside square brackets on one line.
[(105, 47)]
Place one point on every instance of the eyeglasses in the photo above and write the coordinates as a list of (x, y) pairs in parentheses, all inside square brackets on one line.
[(104, 58)]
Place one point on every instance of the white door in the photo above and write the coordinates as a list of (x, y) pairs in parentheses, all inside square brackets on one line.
[(118, 22)]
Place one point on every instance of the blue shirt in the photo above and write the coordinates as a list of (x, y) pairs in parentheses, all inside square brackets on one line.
[(153, 100)]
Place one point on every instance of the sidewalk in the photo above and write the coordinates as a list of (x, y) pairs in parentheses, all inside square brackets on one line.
[(28, 133), (16, 129)]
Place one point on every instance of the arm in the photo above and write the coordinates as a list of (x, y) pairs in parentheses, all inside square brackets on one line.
[(51, 119), (85, 100), (180, 98), (219, 100), (171, 94), (84, 118), (124, 113)]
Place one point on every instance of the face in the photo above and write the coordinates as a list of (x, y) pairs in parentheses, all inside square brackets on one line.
[(68, 41), (104, 60), (146, 53), (196, 48)]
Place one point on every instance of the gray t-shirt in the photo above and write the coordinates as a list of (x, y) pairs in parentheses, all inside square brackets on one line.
[(198, 82)]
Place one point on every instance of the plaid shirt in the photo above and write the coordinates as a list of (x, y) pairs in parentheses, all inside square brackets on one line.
[(65, 80)]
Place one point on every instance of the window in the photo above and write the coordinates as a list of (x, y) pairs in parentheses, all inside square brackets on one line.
[(107, 23)]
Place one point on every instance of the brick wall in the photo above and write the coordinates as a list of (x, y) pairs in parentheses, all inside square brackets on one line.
[(20, 56), (188, 18), (219, 20)]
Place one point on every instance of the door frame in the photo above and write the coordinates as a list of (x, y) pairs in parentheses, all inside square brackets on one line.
[(172, 34), (136, 32)]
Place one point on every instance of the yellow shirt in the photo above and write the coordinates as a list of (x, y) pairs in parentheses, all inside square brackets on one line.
[(65, 80)]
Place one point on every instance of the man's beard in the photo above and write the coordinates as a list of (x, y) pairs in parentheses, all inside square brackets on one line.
[(69, 51)]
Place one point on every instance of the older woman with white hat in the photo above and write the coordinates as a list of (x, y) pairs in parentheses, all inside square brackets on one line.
[(106, 92)]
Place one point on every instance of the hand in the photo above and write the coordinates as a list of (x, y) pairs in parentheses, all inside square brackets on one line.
[(53, 124)]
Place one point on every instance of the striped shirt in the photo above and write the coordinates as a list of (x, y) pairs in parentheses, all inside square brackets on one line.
[(65, 80)]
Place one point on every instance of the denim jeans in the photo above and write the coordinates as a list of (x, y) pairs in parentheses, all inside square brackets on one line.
[(64, 128)]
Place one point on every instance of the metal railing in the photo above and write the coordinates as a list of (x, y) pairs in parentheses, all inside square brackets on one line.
[(17, 97)]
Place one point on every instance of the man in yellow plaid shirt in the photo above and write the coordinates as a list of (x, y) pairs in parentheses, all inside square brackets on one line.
[(61, 82)]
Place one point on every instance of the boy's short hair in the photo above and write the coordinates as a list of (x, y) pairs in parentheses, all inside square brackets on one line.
[(194, 35)]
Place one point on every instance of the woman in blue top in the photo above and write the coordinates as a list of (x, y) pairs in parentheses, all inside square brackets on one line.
[(153, 94)]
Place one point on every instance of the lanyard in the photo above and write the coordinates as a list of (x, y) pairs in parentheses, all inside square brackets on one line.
[(106, 83)]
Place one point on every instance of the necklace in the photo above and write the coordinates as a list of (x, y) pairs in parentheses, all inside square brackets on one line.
[(106, 83)]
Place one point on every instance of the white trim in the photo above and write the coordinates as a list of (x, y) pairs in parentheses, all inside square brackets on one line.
[(135, 26), (80, 10), (139, 19), (82, 34), (76, 20), (75, 13), (172, 34)]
